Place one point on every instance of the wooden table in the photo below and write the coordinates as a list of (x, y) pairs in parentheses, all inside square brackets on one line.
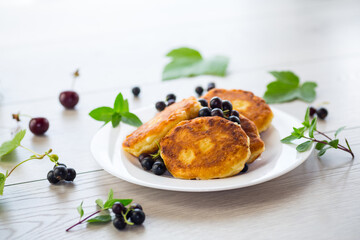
[(118, 45)]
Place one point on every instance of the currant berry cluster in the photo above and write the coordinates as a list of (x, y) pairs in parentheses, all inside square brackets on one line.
[(124, 216), (153, 162), (199, 89), (170, 99), (220, 108), (321, 112), (61, 173)]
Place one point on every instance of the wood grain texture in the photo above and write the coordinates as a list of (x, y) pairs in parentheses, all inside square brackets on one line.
[(117, 45)]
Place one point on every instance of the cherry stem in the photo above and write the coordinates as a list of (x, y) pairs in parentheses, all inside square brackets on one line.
[(81, 221)]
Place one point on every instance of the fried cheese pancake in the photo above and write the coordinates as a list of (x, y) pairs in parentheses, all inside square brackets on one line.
[(147, 136), (257, 146), (205, 148), (246, 103)]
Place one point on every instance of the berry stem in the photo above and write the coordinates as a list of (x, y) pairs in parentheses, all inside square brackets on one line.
[(29, 150), (81, 221), (124, 216), (17, 166), (326, 143)]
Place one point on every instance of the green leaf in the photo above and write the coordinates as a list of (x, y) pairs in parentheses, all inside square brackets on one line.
[(304, 146), (80, 209), (119, 103), (288, 139), (99, 202), (188, 62), (286, 77), (125, 107), (312, 127), (115, 120), (131, 119), (102, 114), (334, 143), (307, 91), (306, 122), (322, 151), (9, 146), (100, 219), (110, 194), (2, 183), (339, 130), (320, 146), (109, 203)]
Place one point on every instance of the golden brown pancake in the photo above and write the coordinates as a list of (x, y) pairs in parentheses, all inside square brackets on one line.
[(246, 103), (205, 148), (257, 146), (146, 137)]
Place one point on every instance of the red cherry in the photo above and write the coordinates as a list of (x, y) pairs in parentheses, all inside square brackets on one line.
[(69, 99), (38, 126)]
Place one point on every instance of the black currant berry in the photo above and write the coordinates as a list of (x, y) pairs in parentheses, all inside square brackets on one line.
[(38, 126), (119, 223), (199, 90), (147, 163), (71, 174), (137, 216), (135, 206), (51, 178), (234, 119), (235, 113), (171, 101), (205, 112), (246, 167), (203, 102), (216, 102), (217, 112), (170, 96), (59, 164), (158, 168), (312, 111), (136, 91), (69, 99), (60, 172), (142, 156), (227, 106), (211, 86), (118, 208), (161, 105), (322, 113)]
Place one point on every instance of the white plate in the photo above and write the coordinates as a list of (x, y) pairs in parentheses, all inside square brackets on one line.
[(277, 159)]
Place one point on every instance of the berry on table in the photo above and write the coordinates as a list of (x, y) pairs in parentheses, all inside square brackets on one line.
[(59, 164), (158, 168), (205, 112), (161, 105), (119, 223), (60, 172), (203, 102), (217, 112), (118, 208), (235, 113), (137, 216), (227, 106), (136, 91), (322, 113), (135, 206), (211, 86), (69, 99), (312, 111), (38, 126), (51, 178), (170, 96), (216, 102), (71, 174), (199, 90), (234, 119), (147, 163), (171, 101)]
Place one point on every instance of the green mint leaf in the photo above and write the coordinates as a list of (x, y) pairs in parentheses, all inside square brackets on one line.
[(99, 202), (80, 209), (110, 194), (286, 77), (322, 151), (125, 107), (109, 203), (100, 219), (2, 183), (348, 145), (11, 145), (131, 119), (119, 103), (188, 62), (312, 127), (306, 122), (320, 146), (334, 143), (307, 91), (288, 139), (102, 114), (339, 130), (115, 120), (304, 146)]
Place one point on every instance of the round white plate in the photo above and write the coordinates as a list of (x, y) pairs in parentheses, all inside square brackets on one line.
[(277, 159)]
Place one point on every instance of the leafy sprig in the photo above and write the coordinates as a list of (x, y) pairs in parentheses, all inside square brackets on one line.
[(104, 216), (287, 87), (9, 146), (187, 62), (120, 113), (321, 145)]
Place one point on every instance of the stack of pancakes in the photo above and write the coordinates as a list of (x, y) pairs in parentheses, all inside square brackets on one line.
[(195, 147)]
